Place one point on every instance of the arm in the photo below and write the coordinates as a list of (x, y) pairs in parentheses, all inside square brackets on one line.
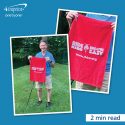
[(51, 61), (52, 64), (70, 16)]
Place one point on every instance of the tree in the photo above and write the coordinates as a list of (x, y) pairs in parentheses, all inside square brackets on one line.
[(23, 47)]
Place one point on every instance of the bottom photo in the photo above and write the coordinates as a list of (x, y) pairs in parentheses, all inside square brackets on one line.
[(40, 74)]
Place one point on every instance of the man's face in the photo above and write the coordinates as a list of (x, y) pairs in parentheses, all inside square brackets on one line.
[(43, 46)]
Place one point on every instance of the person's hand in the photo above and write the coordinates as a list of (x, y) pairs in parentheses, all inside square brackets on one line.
[(29, 57), (113, 25), (47, 59), (70, 16), (50, 61)]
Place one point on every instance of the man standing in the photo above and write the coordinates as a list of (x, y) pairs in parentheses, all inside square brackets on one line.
[(50, 61)]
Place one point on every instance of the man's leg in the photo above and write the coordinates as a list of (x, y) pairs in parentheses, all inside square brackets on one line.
[(49, 90), (39, 92), (80, 85)]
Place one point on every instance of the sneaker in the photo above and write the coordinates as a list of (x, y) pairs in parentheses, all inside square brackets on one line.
[(48, 104), (39, 102)]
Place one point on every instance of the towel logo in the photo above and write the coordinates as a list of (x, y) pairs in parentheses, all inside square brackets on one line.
[(87, 48), (37, 69)]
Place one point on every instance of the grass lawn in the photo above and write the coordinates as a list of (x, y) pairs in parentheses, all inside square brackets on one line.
[(60, 92)]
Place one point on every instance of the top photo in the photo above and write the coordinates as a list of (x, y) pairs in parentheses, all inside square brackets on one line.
[(91, 48)]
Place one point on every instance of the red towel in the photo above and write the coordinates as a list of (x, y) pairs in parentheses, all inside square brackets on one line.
[(37, 69), (89, 43)]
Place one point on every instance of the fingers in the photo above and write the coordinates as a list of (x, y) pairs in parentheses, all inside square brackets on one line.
[(113, 25), (29, 57), (71, 15)]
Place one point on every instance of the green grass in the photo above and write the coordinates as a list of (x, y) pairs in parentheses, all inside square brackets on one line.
[(60, 91)]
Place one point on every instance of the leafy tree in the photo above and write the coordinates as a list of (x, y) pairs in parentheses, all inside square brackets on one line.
[(23, 47)]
